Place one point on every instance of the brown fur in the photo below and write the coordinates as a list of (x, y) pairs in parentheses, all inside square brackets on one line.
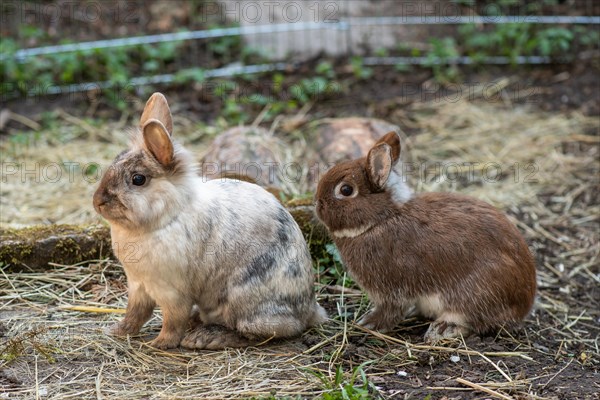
[(458, 248)]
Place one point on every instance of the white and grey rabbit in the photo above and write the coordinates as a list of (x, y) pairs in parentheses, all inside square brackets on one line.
[(225, 248)]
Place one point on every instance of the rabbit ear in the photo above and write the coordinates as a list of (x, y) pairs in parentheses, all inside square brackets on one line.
[(392, 139), (157, 108), (379, 164), (158, 141)]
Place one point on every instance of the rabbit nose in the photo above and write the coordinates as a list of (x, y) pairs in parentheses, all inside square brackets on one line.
[(100, 199)]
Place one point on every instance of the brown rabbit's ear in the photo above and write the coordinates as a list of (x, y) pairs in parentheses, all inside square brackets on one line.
[(157, 108), (379, 164), (158, 141), (392, 139)]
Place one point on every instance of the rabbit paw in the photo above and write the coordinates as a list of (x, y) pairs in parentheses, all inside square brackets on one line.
[(378, 321), (122, 328), (213, 338), (441, 330), (165, 342)]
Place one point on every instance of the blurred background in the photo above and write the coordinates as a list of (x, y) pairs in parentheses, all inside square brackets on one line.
[(76, 75)]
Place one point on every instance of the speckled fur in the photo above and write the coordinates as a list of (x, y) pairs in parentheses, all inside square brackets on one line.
[(226, 248), (448, 257)]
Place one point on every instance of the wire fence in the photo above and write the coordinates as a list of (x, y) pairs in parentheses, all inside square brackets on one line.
[(347, 24), (345, 43)]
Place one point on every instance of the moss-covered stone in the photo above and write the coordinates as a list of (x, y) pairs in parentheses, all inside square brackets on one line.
[(35, 247), (314, 231)]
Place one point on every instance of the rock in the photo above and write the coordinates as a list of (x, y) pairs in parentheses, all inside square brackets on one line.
[(34, 247), (247, 153), (343, 139)]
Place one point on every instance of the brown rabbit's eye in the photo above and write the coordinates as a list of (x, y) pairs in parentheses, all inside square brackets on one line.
[(138, 180), (346, 190)]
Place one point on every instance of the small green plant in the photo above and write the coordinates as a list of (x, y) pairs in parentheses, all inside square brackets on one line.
[(190, 75), (31, 32), (586, 37), (440, 59), (382, 52), (17, 346), (313, 89), (359, 70), (225, 48), (356, 387), (330, 268), (233, 111), (554, 41), (325, 69), (521, 39)]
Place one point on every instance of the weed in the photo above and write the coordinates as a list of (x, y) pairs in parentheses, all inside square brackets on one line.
[(17, 346), (356, 387), (310, 89), (359, 70), (225, 48), (524, 39), (554, 41), (440, 59), (330, 269), (233, 111), (190, 75), (325, 69), (382, 52)]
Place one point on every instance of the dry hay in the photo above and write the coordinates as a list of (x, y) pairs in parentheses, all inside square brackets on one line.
[(61, 352), (65, 354), (55, 349)]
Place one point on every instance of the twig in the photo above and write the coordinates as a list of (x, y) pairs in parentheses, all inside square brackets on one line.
[(23, 120), (483, 389), (549, 236), (508, 378), (338, 289), (99, 310), (99, 383), (555, 375), (446, 349), (321, 344), (259, 118), (575, 320), (83, 125)]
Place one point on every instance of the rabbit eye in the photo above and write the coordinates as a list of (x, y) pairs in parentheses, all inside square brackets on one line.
[(345, 190), (138, 180)]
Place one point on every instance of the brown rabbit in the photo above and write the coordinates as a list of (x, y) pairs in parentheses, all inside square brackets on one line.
[(445, 256)]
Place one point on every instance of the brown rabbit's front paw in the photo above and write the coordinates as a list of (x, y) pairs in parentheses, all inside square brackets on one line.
[(165, 342), (441, 330), (377, 321)]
